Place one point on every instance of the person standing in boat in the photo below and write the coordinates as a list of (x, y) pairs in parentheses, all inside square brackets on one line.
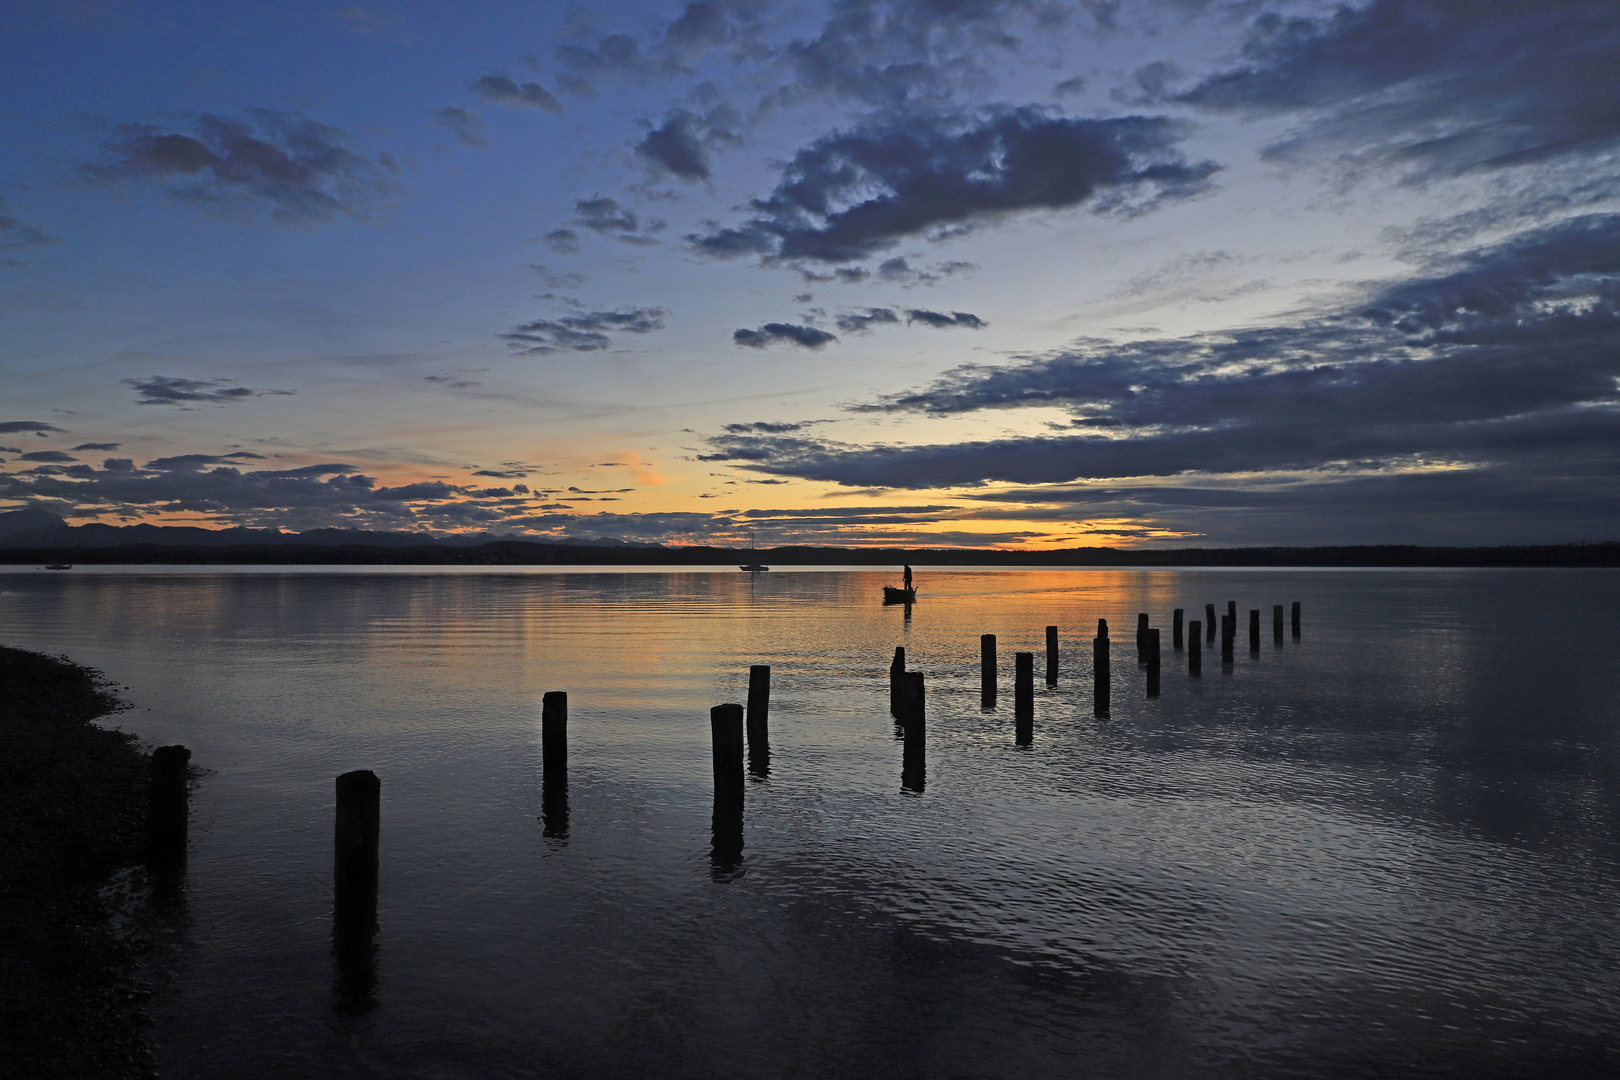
[(908, 577)]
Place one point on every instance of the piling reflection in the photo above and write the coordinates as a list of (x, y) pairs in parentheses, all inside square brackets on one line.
[(554, 804), (726, 737), (354, 966), (914, 758)]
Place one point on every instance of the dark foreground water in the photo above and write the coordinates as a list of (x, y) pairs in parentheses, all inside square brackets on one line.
[(1390, 848)]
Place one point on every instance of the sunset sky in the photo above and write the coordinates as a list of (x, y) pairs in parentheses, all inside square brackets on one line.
[(944, 272)]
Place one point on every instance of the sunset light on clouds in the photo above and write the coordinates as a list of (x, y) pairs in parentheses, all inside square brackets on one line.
[(993, 273)]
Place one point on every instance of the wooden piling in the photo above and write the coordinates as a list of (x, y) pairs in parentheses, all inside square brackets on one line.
[(1209, 621), (1175, 628), (1195, 650), (1296, 618), (1099, 668), (987, 671), (1151, 643), (554, 733), (726, 740), (1254, 629), (914, 711), (726, 735), (554, 764), (897, 676), (759, 713), (166, 809), (1228, 636), (1024, 697), (914, 751), (354, 865), (1051, 656), (1276, 623), (1141, 635)]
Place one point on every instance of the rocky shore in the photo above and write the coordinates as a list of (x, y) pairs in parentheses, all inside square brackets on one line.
[(72, 815)]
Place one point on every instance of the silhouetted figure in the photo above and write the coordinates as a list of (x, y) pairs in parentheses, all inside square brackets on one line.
[(908, 576)]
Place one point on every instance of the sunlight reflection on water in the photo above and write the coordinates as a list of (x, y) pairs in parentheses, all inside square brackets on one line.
[(1387, 847)]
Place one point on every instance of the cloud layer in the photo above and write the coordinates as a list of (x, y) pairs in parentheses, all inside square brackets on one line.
[(300, 170), (852, 195)]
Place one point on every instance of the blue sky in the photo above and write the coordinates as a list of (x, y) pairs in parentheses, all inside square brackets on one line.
[(965, 272)]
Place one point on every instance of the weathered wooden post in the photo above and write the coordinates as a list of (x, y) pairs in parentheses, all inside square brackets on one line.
[(915, 709), (1099, 669), (914, 752), (354, 865), (554, 733), (1254, 629), (1209, 621), (987, 671), (1051, 656), (759, 713), (554, 763), (1228, 636), (1175, 628), (166, 809), (1141, 636), (1276, 624), (1231, 609), (1152, 644), (897, 677), (1195, 650), (1024, 698), (726, 741), (1296, 618)]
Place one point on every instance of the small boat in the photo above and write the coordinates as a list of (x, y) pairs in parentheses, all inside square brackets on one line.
[(752, 567), (903, 594), (59, 566)]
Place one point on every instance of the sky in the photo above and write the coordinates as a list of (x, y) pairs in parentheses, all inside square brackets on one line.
[(978, 273)]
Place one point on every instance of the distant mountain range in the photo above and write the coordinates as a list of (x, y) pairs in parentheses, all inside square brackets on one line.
[(32, 527)]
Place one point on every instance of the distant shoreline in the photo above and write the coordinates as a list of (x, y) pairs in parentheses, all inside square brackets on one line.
[(524, 553)]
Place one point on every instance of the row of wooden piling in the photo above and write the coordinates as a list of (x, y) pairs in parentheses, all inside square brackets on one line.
[(734, 729)]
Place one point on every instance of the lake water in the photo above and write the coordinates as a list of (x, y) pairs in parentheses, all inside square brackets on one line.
[(1390, 847)]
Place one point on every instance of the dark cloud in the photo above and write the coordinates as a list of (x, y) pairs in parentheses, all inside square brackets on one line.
[(863, 321), (49, 455), (508, 91), (1506, 366), (1069, 86), (807, 337), (164, 390), (16, 234), (451, 382), (502, 474), (681, 144), (119, 464), (301, 170), (941, 321), (193, 462), (894, 52), (1446, 86), (765, 427), (556, 280), (899, 271), (97, 446), (562, 241), (851, 195), (13, 427), (604, 215), (701, 23), (585, 331), (463, 123)]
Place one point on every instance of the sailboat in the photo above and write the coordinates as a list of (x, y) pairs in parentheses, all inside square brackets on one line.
[(752, 567)]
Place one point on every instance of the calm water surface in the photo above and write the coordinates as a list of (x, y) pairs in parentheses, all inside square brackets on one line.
[(1391, 847)]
